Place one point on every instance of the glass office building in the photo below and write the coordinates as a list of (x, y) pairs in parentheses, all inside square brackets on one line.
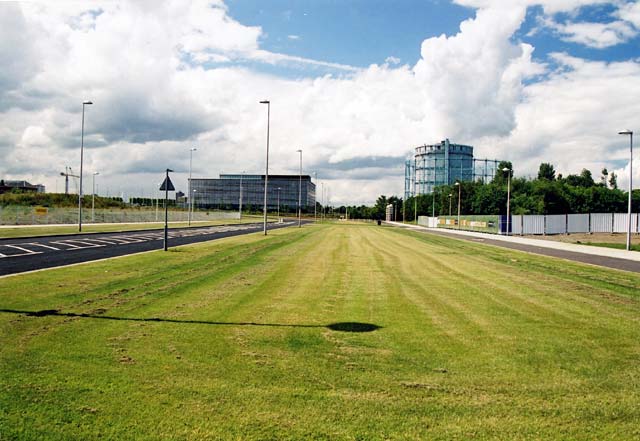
[(444, 164), (224, 192)]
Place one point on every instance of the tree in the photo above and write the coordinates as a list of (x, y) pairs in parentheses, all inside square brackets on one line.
[(546, 172), (501, 176), (379, 210), (587, 178), (613, 181), (603, 178)]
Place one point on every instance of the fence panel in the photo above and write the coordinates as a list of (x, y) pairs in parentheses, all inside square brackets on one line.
[(578, 223), (601, 223), (533, 224), (620, 224), (556, 224), (516, 226), (18, 215)]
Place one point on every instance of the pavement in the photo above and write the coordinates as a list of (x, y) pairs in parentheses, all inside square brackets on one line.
[(601, 256), (35, 253)]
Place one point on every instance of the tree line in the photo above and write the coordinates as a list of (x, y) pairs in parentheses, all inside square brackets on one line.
[(548, 193)]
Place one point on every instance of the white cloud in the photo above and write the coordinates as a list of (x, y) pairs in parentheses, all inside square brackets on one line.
[(573, 118), (144, 66), (596, 35), (629, 12)]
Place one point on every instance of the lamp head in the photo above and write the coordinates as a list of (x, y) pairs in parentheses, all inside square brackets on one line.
[(626, 132), (87, 103), (193, 149), (506, 169), (457, 183), (265, 102)]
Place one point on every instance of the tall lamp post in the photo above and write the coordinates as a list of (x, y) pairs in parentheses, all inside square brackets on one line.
[(630, 133), (459, 194), (322, 214), (190, 208), (450, 196), (278, 204), (93, 196), (300, 192), (315, 203), (508, 170), (266, 174), (84, 103), (240, 203)]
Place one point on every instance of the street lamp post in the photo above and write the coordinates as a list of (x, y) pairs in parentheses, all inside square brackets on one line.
[(84, 103), (322, 214), (166, 209), (450, 196), (433, 203), (508, 197), (315, 203), (630, 133), (278, 204), (459, 194), (93, 196), (190, 207), (300, 192), (240, 204), (266, 174)]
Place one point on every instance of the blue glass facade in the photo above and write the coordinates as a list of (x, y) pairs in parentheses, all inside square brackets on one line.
[(224, 192), (444, 164)]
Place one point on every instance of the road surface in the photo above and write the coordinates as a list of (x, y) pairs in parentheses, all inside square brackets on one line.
[(34, 253)]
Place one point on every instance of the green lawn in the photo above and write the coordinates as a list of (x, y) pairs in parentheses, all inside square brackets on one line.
[(229, 340), (619, 246)]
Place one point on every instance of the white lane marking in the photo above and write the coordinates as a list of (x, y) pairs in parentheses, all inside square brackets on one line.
[(23, 249), (70, 245), (26, 251), (103, 241), (37, 244), (85, 242)]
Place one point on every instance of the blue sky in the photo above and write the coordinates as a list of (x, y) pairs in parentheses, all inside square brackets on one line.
[(358, 32), (364, 32)]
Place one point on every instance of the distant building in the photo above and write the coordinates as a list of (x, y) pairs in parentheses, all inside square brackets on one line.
[(7, 186), (444, 164), (224, 192)]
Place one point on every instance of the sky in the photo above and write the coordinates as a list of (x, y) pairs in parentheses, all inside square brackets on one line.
[(355, 84)]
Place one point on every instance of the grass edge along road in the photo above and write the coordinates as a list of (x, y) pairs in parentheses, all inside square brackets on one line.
[(229, 340), (17, 232)]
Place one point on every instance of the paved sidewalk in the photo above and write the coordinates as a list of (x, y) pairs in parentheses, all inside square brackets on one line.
[(609, 257)]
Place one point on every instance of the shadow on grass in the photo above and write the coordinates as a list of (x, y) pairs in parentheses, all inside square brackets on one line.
[(340, 327)]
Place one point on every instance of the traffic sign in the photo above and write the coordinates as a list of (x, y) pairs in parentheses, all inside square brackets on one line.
[(167, 185)]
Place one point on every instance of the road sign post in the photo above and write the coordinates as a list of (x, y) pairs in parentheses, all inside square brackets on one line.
[(167, 186)]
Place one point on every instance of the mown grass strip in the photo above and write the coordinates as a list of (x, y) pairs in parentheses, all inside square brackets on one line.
[(230, 340)]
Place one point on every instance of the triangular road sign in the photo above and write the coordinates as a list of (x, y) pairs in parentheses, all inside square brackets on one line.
[(167, 185)]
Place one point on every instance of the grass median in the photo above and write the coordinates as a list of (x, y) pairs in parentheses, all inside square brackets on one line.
[(325, 332), (8, 232)]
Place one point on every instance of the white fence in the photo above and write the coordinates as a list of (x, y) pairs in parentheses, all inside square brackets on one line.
[(575, 223), (428, 221), (16, 215)]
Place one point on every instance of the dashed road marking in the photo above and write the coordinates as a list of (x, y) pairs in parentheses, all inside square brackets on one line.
[(102, 241)]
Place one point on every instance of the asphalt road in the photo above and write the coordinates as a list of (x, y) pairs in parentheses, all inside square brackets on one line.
[(28, 254), (609, 262)]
